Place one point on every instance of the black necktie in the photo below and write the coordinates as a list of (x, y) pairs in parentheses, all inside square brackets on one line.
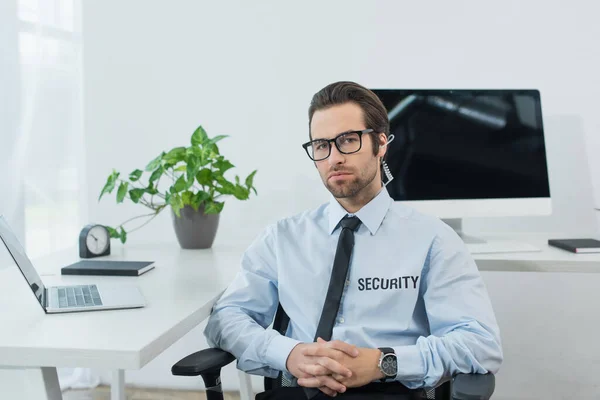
[(341, 262)]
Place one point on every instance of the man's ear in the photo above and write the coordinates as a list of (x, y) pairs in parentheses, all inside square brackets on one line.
[(383, 141)]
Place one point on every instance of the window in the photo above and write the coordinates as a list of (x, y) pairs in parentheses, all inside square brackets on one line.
[(48, 149)]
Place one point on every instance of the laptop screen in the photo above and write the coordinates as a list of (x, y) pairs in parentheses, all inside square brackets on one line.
[(18, 254)]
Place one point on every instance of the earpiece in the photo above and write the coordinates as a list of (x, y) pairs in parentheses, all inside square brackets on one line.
[(387, 176), (390, 140)]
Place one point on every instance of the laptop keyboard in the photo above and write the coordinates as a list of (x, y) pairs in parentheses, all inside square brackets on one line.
[(76, 296)]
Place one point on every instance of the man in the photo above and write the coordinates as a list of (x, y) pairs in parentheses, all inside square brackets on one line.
[(411, 291)]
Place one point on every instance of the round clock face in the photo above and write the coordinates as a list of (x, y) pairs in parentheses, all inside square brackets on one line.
[(97, 239), (389, 365)]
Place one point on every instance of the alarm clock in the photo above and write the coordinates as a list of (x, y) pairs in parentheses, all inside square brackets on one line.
[(94, 241)]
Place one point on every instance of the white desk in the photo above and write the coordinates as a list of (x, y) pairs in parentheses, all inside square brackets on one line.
[(180, 293), (549, 259)]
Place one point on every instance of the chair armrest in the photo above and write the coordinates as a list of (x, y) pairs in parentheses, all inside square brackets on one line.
[(208, 361), (473, 386)]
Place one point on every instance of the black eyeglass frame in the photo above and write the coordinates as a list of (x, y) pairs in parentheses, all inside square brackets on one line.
[(334, 141)]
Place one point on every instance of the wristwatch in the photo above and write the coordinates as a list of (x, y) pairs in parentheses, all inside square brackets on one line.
[(388, 363)]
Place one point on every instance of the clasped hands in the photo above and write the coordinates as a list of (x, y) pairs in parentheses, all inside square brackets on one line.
[(333, 366)]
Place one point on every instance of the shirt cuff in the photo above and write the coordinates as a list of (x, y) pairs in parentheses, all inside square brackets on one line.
[(410, 363), (278, 351)]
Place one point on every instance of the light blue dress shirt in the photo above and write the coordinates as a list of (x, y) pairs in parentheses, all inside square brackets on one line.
[(412, 285)]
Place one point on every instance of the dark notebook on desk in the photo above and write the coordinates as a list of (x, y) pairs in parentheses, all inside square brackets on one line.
[(108, 267), (577, 245)]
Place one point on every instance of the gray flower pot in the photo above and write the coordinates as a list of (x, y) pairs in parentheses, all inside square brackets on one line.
[(194, 229)]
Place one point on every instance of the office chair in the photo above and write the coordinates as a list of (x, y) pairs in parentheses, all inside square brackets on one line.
[(208, 364)]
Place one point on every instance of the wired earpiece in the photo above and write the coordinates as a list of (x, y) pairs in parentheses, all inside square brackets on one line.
[(385, 168), (390, 140)]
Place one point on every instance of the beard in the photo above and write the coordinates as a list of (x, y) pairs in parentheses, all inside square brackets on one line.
[(350, 188)]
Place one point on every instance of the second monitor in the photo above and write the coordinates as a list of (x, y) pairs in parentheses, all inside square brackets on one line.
[(468, 153)]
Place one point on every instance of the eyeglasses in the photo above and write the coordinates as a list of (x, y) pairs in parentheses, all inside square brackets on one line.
[(346, 143)]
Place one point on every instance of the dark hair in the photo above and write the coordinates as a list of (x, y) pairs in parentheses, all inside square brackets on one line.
[(374, 112)]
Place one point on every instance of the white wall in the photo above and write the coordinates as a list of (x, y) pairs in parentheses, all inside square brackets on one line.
[(154, 71), (11, 189)]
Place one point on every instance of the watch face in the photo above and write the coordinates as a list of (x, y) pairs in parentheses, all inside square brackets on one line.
[(97, 240), (389, 365)]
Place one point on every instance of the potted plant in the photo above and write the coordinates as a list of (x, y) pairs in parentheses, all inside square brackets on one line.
[(188, 180)]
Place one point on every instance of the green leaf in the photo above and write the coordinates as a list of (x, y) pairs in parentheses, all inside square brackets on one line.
[(156, 174), (217, 139), (223, 165), (199, 136), (122, 191), (136, 194), (123, 235), (241, 193), (199, 198), (213, 207), (180, 185), (192, 169), (176, 203), (197, 151), (175, 155), (204, 177), (213, 150), (199, 154), (152, 165), (113, 232), (189, 184), (186, 198), (135, 175), (226, 186), (181, 168), (168, 166), (250, 179), (110, 184)]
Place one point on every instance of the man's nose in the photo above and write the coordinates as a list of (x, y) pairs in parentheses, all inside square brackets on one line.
[(336, 157)]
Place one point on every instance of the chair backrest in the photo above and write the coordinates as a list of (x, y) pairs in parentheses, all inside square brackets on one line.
[(280, 324)]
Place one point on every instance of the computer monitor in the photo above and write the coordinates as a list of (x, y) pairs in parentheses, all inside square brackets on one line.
[(467, 153)]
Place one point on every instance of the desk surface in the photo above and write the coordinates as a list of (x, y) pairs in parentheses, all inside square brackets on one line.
[(549, 259), (179, 293)]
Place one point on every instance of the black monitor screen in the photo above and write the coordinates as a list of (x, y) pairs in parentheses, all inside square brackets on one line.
[(465, 144)]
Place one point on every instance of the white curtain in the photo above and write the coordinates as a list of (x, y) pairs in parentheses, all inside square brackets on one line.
[(41, 142)]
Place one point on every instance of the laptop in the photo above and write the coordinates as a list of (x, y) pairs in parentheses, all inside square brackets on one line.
[(69, 298)]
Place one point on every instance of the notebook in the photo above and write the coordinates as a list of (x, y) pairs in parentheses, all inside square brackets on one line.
[(108, 267), (576, 245)]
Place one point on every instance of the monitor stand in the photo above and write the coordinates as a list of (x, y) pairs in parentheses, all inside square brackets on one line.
[(477, 245), (456, 224)]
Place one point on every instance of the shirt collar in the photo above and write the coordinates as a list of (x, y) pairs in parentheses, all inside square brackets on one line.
[(371, 215)]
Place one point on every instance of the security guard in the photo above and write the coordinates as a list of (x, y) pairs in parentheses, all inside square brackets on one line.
[(381, 299)]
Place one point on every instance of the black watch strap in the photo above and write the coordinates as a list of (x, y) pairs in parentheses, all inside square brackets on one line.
[(384, 351)]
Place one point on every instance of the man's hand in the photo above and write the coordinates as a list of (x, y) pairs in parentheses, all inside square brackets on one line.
[(364, 368), (319, 361)]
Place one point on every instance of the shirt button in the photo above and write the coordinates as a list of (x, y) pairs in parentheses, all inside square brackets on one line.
[(341, 320)]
